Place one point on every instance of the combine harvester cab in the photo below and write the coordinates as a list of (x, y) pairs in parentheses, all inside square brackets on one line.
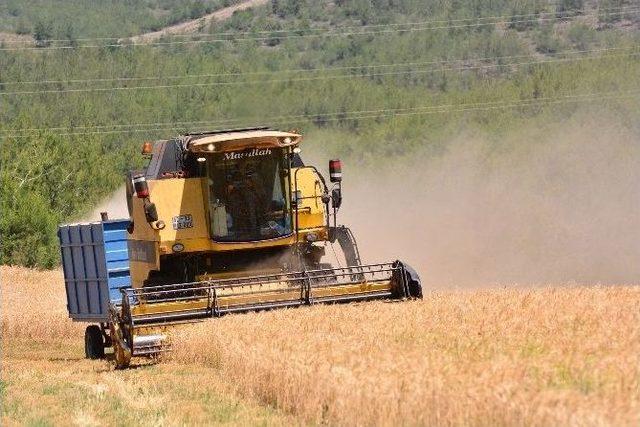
[(220, 222)]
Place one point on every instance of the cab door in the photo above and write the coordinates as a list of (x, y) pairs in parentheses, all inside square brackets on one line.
[(307, 189)]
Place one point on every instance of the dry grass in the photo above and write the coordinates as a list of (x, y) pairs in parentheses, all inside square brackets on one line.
[(490, 357), (45, 380), (559, 356), (33, 306)]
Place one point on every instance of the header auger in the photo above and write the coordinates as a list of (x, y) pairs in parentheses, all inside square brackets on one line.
[(220, 222)]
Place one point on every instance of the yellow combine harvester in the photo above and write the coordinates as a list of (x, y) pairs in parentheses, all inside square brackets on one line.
[(226, 222)]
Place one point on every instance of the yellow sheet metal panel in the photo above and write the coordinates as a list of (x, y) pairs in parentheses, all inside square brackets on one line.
[(311, 210), (269, 243), (142, 245), (168, 307), (180, 205), (142, 230), (208, 245)]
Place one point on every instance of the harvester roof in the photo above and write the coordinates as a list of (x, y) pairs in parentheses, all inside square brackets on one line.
[(240, 140)]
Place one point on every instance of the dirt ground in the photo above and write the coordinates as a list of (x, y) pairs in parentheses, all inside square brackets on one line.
[(193, 25)]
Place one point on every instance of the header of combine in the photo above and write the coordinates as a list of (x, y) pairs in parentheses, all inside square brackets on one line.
[(222, 222)]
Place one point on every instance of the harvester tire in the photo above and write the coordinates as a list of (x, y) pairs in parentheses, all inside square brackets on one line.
[(93, 342)]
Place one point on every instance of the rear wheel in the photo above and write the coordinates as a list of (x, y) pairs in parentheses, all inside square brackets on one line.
[(93, 342)]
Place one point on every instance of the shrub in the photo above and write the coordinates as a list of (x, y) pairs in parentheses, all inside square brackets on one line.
[(581, 35), (42, 32)]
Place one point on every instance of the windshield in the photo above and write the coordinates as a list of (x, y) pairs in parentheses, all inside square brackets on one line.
[(248, 197)]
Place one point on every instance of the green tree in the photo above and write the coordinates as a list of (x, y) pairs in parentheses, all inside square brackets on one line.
[(42, 33), (27, 228)]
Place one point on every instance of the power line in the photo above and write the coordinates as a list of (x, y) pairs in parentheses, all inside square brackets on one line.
[(293, 71), (314, 78), (328, 34), (348, 115), (296, 116), (558, 15)]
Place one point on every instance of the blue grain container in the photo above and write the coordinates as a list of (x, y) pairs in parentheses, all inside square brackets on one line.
[(95, 261)]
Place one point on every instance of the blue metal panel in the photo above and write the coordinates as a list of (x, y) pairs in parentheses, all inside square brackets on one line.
[(89, 266), (67, 267), (122, 264), (95, 262), (116, 254), (117, 257)]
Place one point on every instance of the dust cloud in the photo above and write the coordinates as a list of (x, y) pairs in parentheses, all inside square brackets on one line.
[(115, 205), (555, 205)]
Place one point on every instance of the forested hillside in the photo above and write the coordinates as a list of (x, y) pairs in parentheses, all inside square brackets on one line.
[(365, 78)]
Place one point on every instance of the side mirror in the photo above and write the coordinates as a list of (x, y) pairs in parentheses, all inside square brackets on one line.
[(336, 198), (335, 170), (150, 212)]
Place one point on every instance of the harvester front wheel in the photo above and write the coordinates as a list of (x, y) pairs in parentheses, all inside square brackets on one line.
[(93, 342)]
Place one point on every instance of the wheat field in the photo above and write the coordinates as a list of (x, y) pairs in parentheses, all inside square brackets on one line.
[(550, 355)]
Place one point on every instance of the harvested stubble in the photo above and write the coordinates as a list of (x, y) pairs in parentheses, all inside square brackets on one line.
[(559, 356)]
